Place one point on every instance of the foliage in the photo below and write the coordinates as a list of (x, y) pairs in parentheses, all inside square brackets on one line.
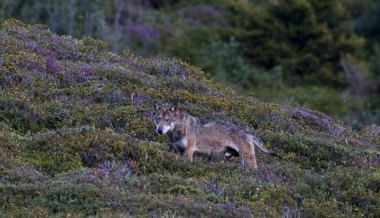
[(306, 38), (265, 48), (77, 140)]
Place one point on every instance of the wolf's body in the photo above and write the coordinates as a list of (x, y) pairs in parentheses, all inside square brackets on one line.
[(189, 135)]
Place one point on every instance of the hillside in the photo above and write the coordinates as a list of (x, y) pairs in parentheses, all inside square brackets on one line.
[(322, 55), (77, 140)]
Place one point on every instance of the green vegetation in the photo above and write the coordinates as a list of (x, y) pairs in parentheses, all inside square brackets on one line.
[(77, 140), (323, 55)]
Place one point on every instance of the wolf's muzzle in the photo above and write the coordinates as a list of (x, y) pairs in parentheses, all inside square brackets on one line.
[(159, 131)]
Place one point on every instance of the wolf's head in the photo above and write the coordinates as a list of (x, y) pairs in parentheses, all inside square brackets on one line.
[(165, 118)]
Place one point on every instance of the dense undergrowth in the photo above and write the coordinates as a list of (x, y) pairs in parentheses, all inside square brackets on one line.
[(77, 140)]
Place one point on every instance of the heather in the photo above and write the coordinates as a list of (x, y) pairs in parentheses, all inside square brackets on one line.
[(77, 140), (323, 55)]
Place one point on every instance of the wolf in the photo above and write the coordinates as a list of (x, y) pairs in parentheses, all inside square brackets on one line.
[(190, 135)]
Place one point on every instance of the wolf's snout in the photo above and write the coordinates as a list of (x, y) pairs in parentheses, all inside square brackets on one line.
[(159, 131)]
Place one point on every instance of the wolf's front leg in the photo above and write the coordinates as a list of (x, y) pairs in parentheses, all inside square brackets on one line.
[(174, 148), (191, 143), (189, 155)]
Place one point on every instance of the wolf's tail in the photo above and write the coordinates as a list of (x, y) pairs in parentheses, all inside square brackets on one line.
[(256, 142)]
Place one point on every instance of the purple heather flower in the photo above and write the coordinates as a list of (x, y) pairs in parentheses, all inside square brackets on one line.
[(23, 35), (85, 69), (52, 65), (69, 77), (184, 76), (149, 113), (139, 100), (54, 38), (61, 97), (229, 207), (115, 64), (41, 51)]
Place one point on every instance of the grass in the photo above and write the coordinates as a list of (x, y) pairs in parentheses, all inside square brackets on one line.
[(77, 140)]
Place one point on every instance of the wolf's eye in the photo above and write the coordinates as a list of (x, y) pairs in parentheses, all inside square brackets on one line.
[(168, 120)]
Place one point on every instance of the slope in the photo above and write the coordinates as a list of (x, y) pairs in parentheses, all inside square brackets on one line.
[(77, 140)]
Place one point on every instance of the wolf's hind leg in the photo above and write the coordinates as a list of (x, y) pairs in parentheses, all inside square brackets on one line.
[(250, 160), (249, 156)]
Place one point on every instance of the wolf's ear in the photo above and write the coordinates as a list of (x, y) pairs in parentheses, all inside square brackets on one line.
[(174, 108), (156, 106)]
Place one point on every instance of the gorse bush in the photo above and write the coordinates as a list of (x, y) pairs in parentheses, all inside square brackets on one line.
[(77, 140)]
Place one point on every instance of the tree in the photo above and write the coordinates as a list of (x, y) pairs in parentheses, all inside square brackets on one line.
[(304, 37)]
